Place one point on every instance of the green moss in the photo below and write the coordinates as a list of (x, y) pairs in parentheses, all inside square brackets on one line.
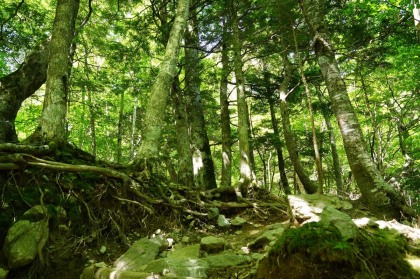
[(373, 254)]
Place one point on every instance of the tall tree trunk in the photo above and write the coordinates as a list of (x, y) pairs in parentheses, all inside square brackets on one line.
[(156, 106), (19, 85), (120, 127), (381, 198), (310, 188), (338, 176), (204, 176), (243, 129), (226, 179), (53, 118), (92, 126), (280, 158), (185, 164)]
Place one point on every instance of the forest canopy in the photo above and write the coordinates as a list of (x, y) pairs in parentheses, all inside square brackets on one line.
[(288, 96)]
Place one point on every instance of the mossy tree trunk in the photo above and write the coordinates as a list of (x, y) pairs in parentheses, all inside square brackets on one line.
[(157, 102), (204, 176), (226, 179), (381, 198), (185, 164), (243, 129), (52, 122), (19, 85)]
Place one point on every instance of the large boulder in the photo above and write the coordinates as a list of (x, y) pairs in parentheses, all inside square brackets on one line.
[(228, 259), (341, 221), (309, 207), (26, 238), (140, 253)]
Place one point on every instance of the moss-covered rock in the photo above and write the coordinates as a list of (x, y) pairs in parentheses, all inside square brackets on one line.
[(317, 251)]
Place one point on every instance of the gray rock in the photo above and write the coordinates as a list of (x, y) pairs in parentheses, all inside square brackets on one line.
[(191, 268), (213, 213), (266, 238), (211, 244), (238, 221), (26, 238), (223, 222), (228, 259), (309, 207), (161, 241), (140, 253), (343, 222)]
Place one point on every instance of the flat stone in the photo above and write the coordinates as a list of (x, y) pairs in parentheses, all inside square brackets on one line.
[(140, 253), (266, 238), (238, 221), (211, 244), (228, 259), (191, 268)]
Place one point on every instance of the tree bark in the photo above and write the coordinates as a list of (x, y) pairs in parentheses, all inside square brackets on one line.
[(185, 163), (381, 198), (156, 106), (280, 158), (120, 127), (204, 176), (18, 86), (310, 188), (338, 176), (243, 129), (52, 122), (226, 179)]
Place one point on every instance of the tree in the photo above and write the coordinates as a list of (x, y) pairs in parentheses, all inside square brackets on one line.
[(156, 106), (204, 176), (52, 123), (18, 86), (380, 196), (243, 128)]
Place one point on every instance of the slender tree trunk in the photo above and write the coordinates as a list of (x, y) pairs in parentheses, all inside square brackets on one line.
[(338, 176), (280, 158), (133, 142), (310, 188), (381, 197), (120, 127), (18, 86), (204, 176), (243, 129), (226, 179), (92, 127), (52, 123), (185, 164), (156, 106)]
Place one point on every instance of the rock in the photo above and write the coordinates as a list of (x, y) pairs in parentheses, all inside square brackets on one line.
[(228, 259), (343, 222), (187, 252), (140, 253), (266, 238), (26, 238), (185, 239), (309, 207), (93, 272), (103, 249), (213, 212), (3, 273), (211, 244), (223, 222), (238, 221), (161, 241), (190, 268)]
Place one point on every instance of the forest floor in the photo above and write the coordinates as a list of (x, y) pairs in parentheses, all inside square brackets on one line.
[(96, 211)]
